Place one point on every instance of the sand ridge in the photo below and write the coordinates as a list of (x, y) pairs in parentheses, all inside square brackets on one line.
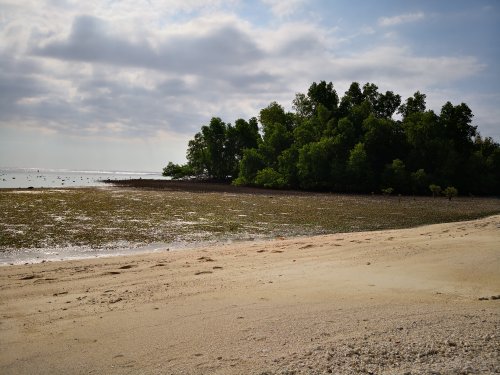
[(413, 300)]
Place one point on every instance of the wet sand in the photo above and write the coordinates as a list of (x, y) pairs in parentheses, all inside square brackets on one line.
[(398, 301)]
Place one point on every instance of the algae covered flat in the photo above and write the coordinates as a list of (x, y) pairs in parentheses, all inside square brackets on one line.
[(119, 217)]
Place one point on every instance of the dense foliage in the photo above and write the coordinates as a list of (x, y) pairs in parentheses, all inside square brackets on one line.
[(349, 144)]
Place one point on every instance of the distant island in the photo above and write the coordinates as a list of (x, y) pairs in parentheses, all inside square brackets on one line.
[(351, 144)]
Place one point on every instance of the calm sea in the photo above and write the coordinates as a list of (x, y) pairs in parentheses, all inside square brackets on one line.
[(50, 178)]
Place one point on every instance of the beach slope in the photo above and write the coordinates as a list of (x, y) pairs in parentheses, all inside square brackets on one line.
[(398, 301)]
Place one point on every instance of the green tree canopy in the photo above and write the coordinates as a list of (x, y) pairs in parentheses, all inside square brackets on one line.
[(348, 144)]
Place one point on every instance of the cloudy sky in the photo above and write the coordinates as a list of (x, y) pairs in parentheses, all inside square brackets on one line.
[(125, 84)]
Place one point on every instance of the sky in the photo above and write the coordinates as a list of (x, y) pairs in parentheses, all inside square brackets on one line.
[(124, 85)]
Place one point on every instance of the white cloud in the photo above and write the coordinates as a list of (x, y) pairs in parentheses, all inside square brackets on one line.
[(402, 18), (95, 76), (284, 8), (399, 66)]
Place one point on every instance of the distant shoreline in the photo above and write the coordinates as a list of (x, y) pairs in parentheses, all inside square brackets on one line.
[(23, 178), (198, 186), (209, 186)]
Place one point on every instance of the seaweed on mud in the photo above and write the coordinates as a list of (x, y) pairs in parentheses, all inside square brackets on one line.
[(99, 218)]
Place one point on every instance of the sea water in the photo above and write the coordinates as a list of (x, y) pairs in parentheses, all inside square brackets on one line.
[(23, 178), (51, 178)]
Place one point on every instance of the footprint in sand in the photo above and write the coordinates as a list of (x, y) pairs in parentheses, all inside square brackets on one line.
[(29, 277), (308, 246), (202, 272), (159, 265), (128, 266)]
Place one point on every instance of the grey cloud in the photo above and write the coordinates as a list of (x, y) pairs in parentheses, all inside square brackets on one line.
[(90, 41), (15, 88), (53, 112), (142, 111), (222, 47), (101, 99), (253, 82), (16, 84), (222, 62), (302, 45), (12, 65), (235, 82), (173, 87)]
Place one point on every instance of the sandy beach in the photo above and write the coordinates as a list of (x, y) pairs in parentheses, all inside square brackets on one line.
[(414, 301)]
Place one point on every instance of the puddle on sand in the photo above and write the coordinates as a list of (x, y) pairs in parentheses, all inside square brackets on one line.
[(22, 256)]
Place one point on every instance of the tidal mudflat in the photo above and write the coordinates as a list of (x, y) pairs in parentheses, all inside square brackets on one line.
[(114, 217)]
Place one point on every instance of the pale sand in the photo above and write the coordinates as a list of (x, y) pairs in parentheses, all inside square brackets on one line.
[(387, 302)]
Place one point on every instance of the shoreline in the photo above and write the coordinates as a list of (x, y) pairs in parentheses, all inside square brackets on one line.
[(388, 301), (74, 253)]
